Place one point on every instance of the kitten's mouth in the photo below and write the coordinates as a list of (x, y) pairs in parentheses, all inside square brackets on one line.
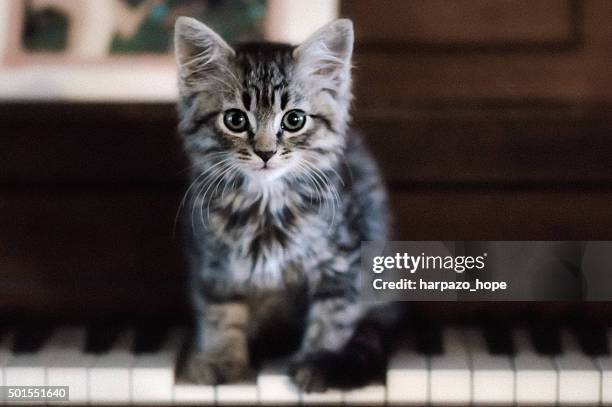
[(263, 168), (267, 170)]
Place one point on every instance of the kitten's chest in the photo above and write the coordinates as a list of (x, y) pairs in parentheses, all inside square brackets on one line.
[(268, 240), (252, 227)]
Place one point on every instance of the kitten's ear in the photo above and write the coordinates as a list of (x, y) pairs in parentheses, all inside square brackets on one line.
[(326, 54), (200, 53)]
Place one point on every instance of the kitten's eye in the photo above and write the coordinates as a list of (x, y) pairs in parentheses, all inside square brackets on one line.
[(293, 120), (235, 120)]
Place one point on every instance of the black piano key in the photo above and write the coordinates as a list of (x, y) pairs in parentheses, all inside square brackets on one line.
[(429, 340), (499, 339), (30, 336), (101, 336), (5, 332), (546, 339), (592, 339), (150, 337)]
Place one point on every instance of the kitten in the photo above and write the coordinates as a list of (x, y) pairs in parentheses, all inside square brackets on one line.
[(281, 195)]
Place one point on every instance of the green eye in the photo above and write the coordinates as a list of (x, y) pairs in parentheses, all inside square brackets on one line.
[(293, 120), (235, 120)]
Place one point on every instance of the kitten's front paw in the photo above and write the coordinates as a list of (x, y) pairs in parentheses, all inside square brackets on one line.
[(313, 372), (204, 368)]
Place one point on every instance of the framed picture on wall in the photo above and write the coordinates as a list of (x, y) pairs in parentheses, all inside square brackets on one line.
[(122, 49)]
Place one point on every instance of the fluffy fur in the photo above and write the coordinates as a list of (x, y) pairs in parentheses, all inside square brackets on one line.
[(276, 238)]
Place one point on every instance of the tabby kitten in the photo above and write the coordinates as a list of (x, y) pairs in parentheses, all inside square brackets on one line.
[(281, 195)]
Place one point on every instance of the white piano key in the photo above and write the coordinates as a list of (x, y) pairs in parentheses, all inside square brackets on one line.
[(492, 375), (189, 393), (579, 377), (605, 366), (245, 393), (408, 377), (67, 364), (579, 380), (153, 374), (328, 397), (6, 353), (26, 369), (535, 375), (371, 394), (450, 376), (69, 368), (109, 376), (275, 385)]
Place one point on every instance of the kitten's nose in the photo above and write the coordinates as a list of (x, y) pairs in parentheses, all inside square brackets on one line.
[(265, 155)]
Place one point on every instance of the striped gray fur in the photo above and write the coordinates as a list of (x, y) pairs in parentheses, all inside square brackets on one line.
[(271, 213)]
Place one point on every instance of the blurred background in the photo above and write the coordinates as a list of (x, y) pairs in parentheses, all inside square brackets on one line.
[(492, 120)]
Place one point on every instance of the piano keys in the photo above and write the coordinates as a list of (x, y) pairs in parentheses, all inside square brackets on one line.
[(184, 393), (408, 375), (492, 375), (152, 374), (109, 375), (604, 363), (372, 394), (68, 364), (535, 374), (330, 397), (26, 366), (579, 376), (244, 393), (450, 376), (464, 370), (275, 385), (6, 346)]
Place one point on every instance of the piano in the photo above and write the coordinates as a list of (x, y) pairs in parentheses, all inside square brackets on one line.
[(496, 132), (436, 365)]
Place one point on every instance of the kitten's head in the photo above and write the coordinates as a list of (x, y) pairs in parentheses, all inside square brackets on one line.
[(264, 110)]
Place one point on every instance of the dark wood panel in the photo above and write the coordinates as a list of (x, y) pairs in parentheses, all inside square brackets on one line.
[(503, 214), (399, 80), (57, 143), (474, 23), (138, 145), (92, 252), (403, 76), (469, 145)]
